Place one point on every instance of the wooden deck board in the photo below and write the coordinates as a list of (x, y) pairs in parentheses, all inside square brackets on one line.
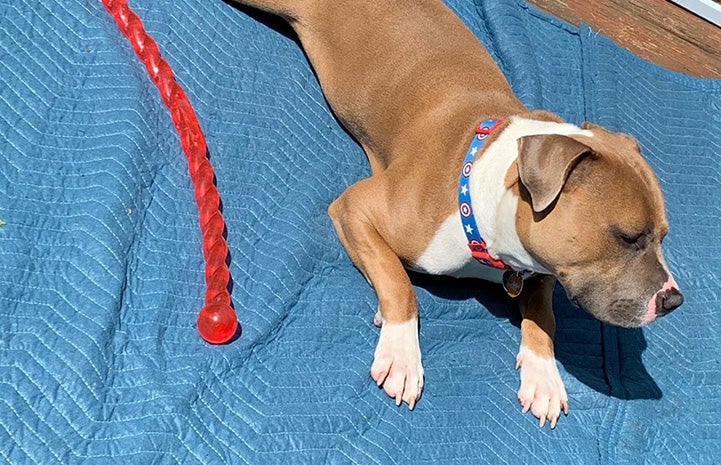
[(657, 30)]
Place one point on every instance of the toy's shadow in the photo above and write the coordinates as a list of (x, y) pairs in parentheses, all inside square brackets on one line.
[(603, 357)]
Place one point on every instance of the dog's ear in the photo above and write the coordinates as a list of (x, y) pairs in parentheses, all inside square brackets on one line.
[(544, 163)]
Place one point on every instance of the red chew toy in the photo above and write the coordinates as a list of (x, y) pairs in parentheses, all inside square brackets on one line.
[(217, 321)]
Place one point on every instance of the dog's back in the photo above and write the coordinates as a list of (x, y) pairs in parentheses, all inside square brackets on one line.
[(396, 56)]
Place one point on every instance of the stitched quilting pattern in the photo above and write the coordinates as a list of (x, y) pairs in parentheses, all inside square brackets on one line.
[(101, 272)]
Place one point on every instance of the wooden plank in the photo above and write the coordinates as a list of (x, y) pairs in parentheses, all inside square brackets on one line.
[(710, 10), (656, 30)]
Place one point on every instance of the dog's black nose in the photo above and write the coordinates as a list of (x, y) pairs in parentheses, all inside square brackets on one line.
[(668, 301)]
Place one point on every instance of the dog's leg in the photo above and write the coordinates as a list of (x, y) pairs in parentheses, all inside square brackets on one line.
[(542, 390), (357, 215)]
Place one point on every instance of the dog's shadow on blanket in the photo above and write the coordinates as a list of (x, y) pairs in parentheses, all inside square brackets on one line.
[(272, 21), (620, 372)]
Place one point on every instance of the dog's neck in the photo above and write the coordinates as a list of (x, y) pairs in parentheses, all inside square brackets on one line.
[(495, 205)]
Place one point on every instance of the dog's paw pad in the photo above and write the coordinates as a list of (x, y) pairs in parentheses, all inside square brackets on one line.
[(542, 391), (397, 364)]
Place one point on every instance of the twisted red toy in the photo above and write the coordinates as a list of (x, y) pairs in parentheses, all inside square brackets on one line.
[(217, 321)]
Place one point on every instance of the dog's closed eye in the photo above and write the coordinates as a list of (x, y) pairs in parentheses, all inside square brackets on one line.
[(636, 241)]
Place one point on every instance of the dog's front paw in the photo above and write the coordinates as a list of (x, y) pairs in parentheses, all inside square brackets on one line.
[(542, 390), (397, 363)]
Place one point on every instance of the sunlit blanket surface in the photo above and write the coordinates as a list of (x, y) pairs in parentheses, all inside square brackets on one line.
[(101, 271)]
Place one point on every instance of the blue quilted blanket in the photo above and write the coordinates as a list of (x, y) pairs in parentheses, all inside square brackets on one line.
[(101, 272)]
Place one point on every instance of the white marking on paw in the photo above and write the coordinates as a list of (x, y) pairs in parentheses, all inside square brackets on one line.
[(397, 364), (542, 390)]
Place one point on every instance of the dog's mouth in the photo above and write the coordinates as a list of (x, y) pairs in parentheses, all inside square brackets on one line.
[(626, 313), (622, 300)]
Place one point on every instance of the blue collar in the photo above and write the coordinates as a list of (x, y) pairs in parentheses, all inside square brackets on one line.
[(475, 241), (512, 280)]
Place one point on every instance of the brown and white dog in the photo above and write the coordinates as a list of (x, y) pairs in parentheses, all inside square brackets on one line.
[(574, 204)]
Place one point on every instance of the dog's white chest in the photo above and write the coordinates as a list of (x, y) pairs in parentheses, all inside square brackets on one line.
[(448, 254)]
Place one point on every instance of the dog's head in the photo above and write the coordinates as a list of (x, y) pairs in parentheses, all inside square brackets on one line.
[(594, 216)]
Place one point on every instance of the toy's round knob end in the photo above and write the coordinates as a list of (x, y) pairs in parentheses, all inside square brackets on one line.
[(217, 323)]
